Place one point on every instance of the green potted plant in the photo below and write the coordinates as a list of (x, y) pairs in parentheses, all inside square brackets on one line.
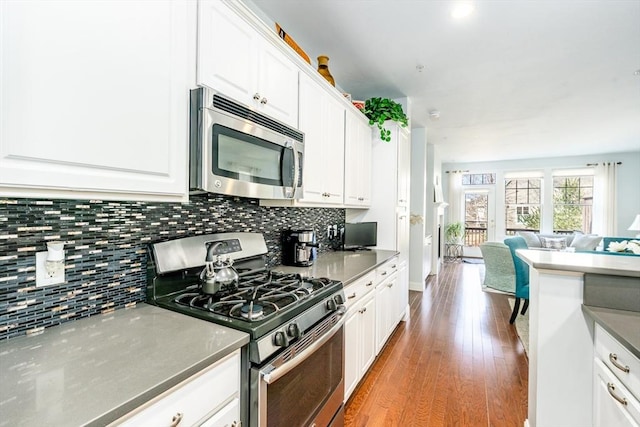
[(454, 232), (379, 110)]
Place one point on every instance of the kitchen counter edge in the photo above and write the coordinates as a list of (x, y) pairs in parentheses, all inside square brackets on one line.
[(578, 262)]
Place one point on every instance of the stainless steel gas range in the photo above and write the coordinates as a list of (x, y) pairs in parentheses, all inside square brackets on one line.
[(292, 370)]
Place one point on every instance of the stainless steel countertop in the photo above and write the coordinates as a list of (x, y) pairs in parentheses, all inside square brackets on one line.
[(345, 266), (93, 371), (621, 324), (617, 265)]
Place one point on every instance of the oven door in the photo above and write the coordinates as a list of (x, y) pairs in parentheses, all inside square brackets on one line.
[(241, 158), (306, 389)]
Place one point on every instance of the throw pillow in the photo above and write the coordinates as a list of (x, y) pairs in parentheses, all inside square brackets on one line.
[(531, 238), (585, 242), (557, 243)]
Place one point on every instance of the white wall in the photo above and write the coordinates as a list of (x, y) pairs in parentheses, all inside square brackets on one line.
[(628, 181)]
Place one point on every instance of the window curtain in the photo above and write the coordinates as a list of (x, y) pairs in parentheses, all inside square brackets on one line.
[(456, 202), (605, 199)]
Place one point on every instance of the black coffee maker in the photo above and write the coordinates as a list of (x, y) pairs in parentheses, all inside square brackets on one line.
[(299, 248)]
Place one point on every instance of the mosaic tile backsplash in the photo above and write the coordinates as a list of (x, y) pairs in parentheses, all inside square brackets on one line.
[(106, 249)]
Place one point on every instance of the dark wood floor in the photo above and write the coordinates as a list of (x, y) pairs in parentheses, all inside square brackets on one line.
[(456, 362)]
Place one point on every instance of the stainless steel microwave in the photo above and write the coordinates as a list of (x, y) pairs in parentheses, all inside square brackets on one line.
[(237, 151)]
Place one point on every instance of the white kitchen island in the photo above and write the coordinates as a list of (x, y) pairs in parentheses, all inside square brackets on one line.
[(561, 354)]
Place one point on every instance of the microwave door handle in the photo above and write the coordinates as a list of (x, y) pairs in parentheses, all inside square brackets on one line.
[(296, 172), (285, 171)]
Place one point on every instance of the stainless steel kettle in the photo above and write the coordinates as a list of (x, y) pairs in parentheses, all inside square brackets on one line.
[(219, 274)]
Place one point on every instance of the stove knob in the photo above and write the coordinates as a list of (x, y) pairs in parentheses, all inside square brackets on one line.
[(280, 339), (331, 305), (338, 299), (293, 330)]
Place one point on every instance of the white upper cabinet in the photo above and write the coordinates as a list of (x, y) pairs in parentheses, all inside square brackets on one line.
[(357, 159), (404, 166), (322, 121), (241, 63), (94, 99)]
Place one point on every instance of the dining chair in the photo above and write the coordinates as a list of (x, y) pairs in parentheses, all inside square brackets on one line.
[(522, 275)]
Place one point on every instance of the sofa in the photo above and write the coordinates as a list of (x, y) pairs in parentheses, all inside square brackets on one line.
[(580, 242)]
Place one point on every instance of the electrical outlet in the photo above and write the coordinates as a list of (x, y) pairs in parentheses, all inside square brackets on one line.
[(48, 276), (329, 232)]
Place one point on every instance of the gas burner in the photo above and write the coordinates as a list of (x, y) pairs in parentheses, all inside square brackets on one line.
[(251, 311)]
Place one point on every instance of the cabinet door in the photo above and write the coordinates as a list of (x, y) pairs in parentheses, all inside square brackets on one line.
[(404, 166), (333, 139), (196, 398), (322, 121), (607, 411), (95, 99), (383, 303), (278, 85), (229, 416), (311, 110), (403, 233), (227, 52), (402, 291), (352, 350), (368, 333), (357, 161)]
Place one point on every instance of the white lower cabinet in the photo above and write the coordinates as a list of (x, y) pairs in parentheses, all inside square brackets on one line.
[(616, 386), (376, 303), (210, 398), (386, 309), (359, 330), (613, 404)]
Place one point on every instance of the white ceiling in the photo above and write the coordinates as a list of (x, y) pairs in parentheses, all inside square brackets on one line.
[(516, 79)]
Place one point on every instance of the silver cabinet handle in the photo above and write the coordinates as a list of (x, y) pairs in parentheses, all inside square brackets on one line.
[(263, 101), (256, 96), (612, 389), (353, 295), (390, 285), (176, 419), (370, 283), (362, 310), (393, 266), (614, 359), (384, 273)]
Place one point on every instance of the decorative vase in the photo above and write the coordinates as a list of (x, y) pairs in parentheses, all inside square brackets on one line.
[(323, 69)]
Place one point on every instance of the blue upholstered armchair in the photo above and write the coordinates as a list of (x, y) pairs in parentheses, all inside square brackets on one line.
[(522, 275)]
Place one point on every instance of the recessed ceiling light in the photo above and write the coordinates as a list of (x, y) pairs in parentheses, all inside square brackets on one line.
[(636, 73), (462, 10), (420, 68)]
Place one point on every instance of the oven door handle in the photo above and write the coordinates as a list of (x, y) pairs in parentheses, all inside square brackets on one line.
[(279, 372)]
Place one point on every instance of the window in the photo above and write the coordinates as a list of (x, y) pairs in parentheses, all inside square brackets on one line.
[(572, 203), (478, 178), (522, 198)]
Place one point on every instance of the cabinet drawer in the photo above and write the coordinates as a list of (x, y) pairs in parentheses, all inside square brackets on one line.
[(356, 290), (613, 404), (612, 353), (195, 398), (386, 270)]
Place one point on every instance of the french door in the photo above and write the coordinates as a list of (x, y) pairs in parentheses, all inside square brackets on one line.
[(479, 219)]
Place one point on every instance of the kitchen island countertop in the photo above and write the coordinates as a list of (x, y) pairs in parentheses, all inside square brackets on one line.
[(345, 266), (93, 371)]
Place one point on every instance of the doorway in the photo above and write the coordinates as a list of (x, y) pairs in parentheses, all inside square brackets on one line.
[(479, 219)]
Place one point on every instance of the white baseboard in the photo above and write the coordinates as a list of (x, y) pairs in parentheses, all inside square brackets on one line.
[(526, 422), (416, 286)]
